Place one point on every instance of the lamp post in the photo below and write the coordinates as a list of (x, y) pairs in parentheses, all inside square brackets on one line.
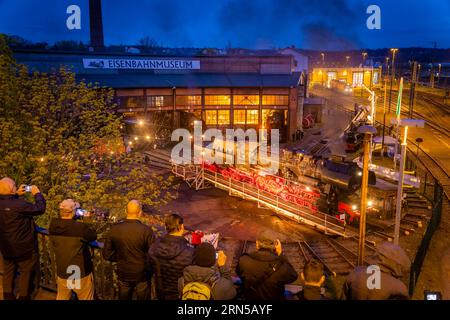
[(398, 207), (323, 58), (384, 118), (364, 54), (392, 77), (368, 131), (398, 112)]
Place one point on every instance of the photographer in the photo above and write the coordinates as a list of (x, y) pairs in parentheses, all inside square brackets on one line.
[(127, 243), (266, 271), (18, 241), (70, 240)]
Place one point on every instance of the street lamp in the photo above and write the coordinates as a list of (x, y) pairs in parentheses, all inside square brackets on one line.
[(392, 77), (323, 58), (439, 72), (387, 66), (368, 131), (347, 58), (398, 209), (364, 54)]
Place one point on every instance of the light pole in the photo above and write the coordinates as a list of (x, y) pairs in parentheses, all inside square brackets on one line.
[(364, 54), (368, 131), (384, 118), (323, 58), (398, 112), (392, 77), (398, 207), (387, 66), (439, 72), (347, 58)]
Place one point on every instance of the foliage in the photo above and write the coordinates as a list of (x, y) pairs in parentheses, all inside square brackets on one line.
[(64, 136)]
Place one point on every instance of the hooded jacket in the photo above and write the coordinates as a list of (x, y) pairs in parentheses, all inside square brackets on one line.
[(391, 262), (17, 227), (70, 241), (219, 279), (252, 268), (169, 255)]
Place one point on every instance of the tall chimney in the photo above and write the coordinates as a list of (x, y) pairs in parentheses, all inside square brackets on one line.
[(96, 23)]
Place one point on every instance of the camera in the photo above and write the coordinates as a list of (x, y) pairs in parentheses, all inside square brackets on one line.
[(27, 188), (432, 295), (79, 213)]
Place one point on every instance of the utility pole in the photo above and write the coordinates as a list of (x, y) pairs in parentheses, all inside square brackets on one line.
[(392, 77), (432, 76), (398, 112), (412, 90), (384, 118), (368, 131)]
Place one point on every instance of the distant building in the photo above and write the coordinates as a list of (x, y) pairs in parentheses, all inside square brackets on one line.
[(221, 91), (300, 62), (354, 77)]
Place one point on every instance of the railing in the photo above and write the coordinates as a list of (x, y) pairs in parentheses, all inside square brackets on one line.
[(105, 281), (322, 221), (433, 177)]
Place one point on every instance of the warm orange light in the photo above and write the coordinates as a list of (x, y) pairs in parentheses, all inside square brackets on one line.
[(405, 137)]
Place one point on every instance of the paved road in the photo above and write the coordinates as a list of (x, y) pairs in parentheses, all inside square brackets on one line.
[(436, 138)]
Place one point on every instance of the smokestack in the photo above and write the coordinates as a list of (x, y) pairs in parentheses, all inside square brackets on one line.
[(96, 23)]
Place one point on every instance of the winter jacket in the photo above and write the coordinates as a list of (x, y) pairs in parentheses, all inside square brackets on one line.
[(355, 287), (308, 292), (259, 280), (70, 241), (17, 227), (127, 243), (219, 279), (169, 255)]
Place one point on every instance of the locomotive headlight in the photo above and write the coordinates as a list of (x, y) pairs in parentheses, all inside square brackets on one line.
[(354, 207)]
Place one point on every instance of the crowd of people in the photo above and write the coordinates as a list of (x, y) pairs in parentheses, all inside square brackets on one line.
[(179, 270)]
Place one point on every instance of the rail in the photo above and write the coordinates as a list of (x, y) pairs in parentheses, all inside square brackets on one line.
[(319, 220)]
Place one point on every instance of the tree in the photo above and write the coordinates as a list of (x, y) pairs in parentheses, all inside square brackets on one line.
[(65, 137)]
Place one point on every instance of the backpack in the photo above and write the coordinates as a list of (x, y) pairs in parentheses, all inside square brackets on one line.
[(197, 291)]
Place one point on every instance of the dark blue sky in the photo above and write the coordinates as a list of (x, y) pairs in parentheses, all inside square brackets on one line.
[(311, 24)]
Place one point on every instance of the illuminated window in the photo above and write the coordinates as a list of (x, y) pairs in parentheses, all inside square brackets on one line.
[(375, 77), (189, 100), (358, 78), (211, 117), (131, 102), (274, 100), (248, 100), (239, 116), (223, 117), (252, 116), (159, 101), (217, 100)]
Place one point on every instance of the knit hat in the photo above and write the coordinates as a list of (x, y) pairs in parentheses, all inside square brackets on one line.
[(205, 255)]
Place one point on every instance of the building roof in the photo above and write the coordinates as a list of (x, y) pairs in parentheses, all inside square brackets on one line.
[(191, 80)]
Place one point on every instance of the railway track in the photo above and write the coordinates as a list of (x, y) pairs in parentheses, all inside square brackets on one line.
[(337, 258)]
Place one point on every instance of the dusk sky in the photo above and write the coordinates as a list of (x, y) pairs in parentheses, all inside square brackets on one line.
[(309, 24)]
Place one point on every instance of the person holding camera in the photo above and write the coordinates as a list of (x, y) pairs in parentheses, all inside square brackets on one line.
[(18, 238), (127, 243), (70, 240), (266, 271), (208, 278), (169, 255)]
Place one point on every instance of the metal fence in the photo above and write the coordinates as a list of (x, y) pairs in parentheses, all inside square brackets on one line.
[(105, 279), (433, 191)]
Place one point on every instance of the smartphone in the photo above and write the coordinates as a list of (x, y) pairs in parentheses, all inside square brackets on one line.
[(79, 213), (432, 295), (27, 188)]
